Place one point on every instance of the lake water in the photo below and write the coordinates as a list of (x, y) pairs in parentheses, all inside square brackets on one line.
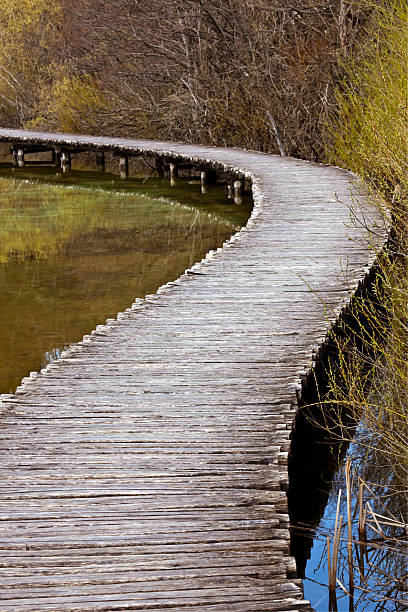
[(380, 573), (76, 249)]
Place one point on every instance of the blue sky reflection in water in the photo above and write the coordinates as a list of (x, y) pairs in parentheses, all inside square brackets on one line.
[(386, 559)]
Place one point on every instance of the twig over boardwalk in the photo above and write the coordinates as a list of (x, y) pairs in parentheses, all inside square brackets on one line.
[(146, 468)]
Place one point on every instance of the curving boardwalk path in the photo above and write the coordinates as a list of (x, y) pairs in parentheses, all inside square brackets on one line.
[(147, 468)]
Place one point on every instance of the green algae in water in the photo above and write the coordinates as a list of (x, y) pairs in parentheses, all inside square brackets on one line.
[(70, 258), (185, 190)]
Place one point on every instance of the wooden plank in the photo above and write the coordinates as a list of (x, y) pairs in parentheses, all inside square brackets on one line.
[(146, 468)]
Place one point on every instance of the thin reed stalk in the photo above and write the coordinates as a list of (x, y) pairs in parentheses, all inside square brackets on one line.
[(349, 537)]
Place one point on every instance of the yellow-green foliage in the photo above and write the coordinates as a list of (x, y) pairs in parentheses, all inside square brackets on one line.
[(30, 35), (30, 17), (369, 135), (370, 131), (371, 384), (72, 104)]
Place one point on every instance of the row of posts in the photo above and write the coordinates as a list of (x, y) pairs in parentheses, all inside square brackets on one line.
[(62, 159), (207, 177)]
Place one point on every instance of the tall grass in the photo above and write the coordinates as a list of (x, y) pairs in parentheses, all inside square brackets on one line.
[(368, 382), (369, 135), (370, 129)]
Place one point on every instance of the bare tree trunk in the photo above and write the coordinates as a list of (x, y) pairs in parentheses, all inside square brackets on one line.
[(276, 134)]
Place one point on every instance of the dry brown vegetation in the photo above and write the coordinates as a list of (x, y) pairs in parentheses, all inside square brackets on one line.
[(250, 73)]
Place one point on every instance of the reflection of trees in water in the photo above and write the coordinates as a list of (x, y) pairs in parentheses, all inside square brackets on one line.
[(40, 221), (379, 527)]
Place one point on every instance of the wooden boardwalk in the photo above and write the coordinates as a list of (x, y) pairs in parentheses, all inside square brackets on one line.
[(146, 469)]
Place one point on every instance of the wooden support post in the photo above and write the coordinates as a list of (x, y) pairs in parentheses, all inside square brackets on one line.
[(173, 170), (238, 188), (230, 188), (203, 181), (100, 161), (160, 167), (208, 177), (56, 156), (20, 158), (238, 192), (124, 166), (14, 154), (65, 161), (173, 173)]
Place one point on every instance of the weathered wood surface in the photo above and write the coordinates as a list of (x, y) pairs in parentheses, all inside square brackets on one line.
[(146, 468)]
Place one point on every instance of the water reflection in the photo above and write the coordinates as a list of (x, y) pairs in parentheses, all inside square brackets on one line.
[(379, 550), (186, 190), (376, 557), (71, 257)]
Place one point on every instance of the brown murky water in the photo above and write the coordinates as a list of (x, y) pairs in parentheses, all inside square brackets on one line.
[(73, 255)]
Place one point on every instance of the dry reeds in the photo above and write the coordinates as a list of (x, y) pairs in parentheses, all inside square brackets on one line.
[(333, 560), (377, 576)]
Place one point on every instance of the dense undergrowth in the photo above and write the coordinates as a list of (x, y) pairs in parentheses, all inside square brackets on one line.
[(368, 384), (370, 136), (251, 73)]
